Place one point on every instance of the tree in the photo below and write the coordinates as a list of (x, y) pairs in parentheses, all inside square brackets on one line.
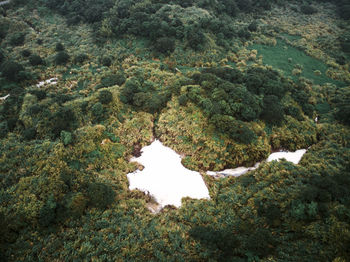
[(11, 70), (165, 45), (47, 212), (100, 195), (97, 111), (59, 47), (66, 137), (61, 58), (2, 56), (272, 110), (106, 61), (105, 97), (131, 87), (308, 9), (80, 58), (63, 119), (29, 133), (35, 60), (17, 39), (3, 129), (113, 79), (26, 53)]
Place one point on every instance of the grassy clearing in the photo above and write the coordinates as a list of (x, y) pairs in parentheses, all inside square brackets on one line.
[(294, 62)]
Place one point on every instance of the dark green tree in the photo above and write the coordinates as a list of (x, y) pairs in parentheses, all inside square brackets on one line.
[(59, 47), (35, 60), (105, 97), (11, 70), (61, 58), (17, 39)]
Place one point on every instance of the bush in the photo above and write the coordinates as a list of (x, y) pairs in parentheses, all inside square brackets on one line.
[(10, 70), (97, 111), (40, 94), (100, 195), (81, 58), (61, 58), (165, 45), (308, 9), (105, 97), (253, 26), (26, 53), (17, 39), (66, 137), (4, 26), (63, 119), (35, 60), (59, 47), (3, 129), (272, 110), (111, 80), (131, 87), (244, 33), (29, 133), (106, 61), (344, 11), (2, 57)]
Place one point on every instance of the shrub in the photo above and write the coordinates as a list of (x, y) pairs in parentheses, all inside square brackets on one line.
[(40, 94), (183, 100), (106, 61), (29, 133), (59, 47), (10, 70), (308, 9), (63, 119), (66, 137), (17, 39), (131, 87), (4, 26), (61, 58), (80, 58), (244, 33), (3, 129), (105, 97), (272, 110), (253, 26), (114, 79), (2, 57), (165, 45), (100, 195), (35, 60), (26, 53), (97, 110)]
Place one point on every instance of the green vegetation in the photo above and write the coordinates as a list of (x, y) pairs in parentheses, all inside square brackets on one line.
[(294, 62), (223, 83)]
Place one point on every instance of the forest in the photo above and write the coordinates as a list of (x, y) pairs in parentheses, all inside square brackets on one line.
[(85, 84)]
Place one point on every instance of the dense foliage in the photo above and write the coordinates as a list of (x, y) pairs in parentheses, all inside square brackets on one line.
[(85, 84)]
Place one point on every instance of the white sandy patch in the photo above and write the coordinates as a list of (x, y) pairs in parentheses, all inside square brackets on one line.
[(51, 81), (165, 178), (293, 157), (4, 97)]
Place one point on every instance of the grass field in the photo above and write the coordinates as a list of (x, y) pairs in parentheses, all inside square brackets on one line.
[(288, 58)]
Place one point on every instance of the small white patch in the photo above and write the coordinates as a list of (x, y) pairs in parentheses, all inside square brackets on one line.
[(4, 97), (293, 157), (165, 178), (51, 81)]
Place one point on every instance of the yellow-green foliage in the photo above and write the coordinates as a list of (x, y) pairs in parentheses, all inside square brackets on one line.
[(294, 135), (185, 130)]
